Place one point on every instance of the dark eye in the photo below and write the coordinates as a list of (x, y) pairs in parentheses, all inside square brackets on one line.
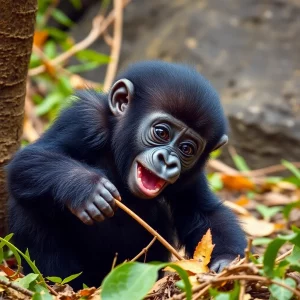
[(162, 132), (187, 148)]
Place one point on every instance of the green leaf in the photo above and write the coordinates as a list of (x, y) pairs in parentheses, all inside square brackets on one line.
[(4, 278), (281, 293), (60, 17), (270, 256), (240, 163), (27, 280), (261, 241), (292, 168), (232, 295), (56, 33), (17, 254), (70, 278), (49, 102), (76, 3), (64, 86), (85, 286), (91, 55), (268, 212), (34, 60), (50, 49), (27, 253), (133, 281), (215, 154), (184, 276), (273, 248), (54, 279), (42, 296), (129, 281), (294, 258), (288, 208), (215, 181), (273, 179), (84, 67)]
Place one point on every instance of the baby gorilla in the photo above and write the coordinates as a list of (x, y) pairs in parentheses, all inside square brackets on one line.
[(147, 141)]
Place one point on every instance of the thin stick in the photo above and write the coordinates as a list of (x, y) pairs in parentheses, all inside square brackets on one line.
[(116, 46), (219, 166), (16, 287), (114, 261), (149, 229), (268, 170), (145, 250), (99, 26)]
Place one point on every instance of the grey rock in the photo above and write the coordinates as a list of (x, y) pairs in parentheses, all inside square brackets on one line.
[(250, 50)]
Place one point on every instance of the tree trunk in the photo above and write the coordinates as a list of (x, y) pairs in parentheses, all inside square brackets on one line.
[(17, 19)]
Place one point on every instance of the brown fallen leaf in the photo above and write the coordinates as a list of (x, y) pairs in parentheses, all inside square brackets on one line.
[(237, 183), (237, 208), (255, 227), (40, 37), (201, 257), (273, 199)]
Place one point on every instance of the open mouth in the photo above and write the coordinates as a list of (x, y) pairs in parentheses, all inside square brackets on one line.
[(148, 182)]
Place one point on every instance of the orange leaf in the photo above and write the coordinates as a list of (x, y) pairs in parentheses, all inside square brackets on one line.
[(192, 265), (87, 292), (204, 249), (40, 38), (10, 273), (242, 200), (237, 182)]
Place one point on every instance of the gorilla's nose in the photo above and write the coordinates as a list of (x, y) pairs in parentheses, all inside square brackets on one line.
[(167, 164)]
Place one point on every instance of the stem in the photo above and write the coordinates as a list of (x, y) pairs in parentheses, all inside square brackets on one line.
[(145, 250), (149, 229), (116, 45), (16, 287)]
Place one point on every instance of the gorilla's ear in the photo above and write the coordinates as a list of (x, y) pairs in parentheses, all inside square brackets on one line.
[(120, 95), (223, 140)]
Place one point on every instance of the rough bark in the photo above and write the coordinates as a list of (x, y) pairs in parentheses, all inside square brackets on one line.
[(17, 19)]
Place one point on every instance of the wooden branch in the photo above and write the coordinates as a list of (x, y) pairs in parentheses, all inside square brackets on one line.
[(99, 26), (16, 287), (116, 46), (145, 250), (149, 229)]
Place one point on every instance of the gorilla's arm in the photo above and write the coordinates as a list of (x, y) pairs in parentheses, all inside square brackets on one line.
[(53, 169), (195, 210)]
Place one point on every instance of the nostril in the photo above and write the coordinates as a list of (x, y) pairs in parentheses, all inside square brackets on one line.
[(161, 157)]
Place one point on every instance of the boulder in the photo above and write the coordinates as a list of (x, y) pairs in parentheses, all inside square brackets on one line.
[(250, 51)]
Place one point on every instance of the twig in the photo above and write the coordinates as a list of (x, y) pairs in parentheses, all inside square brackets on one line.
[(116, 45), (284, 255), (145, 250), (99, 26), (16, 287), (149, 229), (114, 261), (219, 166), (268, 170)]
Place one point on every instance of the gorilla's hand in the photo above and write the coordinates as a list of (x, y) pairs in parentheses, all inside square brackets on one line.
[(100, 205), (221, 261)]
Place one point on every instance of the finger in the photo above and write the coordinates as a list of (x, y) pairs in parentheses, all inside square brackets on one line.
[(112, 189), (108, 197), (95, 213), (84, 217), (103, 206)]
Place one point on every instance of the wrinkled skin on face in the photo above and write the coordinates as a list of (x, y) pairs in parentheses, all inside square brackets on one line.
[(171, 148)]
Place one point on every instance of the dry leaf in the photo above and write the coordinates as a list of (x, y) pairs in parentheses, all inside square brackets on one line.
[(255, 227), (87, 292), (40, 37), (204, 249), (273, 199), (237, 182), (242, 200), (201, 257), (236, 208), (192, 265)]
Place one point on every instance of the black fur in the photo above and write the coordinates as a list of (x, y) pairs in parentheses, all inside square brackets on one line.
[(87, 142)]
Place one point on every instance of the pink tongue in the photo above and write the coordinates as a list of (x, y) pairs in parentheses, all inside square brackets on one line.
[(149, 180)]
